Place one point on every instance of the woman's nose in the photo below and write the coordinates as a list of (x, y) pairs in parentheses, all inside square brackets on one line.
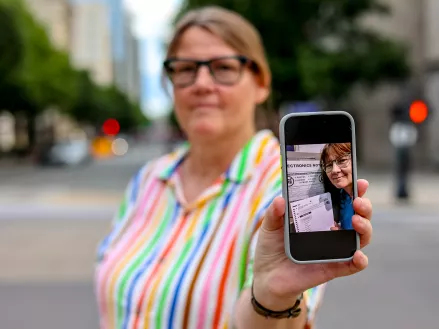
[(335, 167), (204, 78)]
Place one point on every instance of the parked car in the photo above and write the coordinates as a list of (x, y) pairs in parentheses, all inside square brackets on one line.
[(68, 153)]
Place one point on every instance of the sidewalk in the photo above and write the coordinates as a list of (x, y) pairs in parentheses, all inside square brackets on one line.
[(42, 249), (56, 195), (49, 250), (423, 188)]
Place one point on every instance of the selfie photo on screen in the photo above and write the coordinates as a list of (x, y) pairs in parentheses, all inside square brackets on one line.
[(320, 190)]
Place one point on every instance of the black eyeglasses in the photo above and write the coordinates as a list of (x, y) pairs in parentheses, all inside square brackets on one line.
[(341, 162), (225, 70)]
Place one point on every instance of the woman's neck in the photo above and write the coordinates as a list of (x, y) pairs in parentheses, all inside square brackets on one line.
[(209, 159), (349, 190)]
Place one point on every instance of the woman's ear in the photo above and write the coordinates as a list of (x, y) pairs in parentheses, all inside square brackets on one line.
[(262, 95)]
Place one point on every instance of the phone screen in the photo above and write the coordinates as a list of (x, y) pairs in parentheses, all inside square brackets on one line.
[(320, 186)]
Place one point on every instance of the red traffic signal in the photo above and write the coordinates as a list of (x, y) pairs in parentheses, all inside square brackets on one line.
[(111, 127), (418, 111)]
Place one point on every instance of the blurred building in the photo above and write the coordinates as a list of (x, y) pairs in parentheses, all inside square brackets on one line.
[(127, 66), (82, 28), (56, 17), (91, 40), (415, 23), (98, 36), (106, 43), (431, 70)]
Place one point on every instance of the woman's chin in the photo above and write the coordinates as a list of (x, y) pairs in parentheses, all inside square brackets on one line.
[(346, 187), (205, 129), (340, 185)]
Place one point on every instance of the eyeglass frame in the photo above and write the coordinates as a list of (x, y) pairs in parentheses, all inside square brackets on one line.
[(323, 164), (244, 60)]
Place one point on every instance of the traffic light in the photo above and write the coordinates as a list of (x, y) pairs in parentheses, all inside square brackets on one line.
[(111, 127), (416, 111), (407, 117)]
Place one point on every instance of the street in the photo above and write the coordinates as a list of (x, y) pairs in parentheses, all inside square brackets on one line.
[(52, 219), (51, 283)]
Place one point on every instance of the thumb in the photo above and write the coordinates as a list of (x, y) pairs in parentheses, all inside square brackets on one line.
[(274, 216)]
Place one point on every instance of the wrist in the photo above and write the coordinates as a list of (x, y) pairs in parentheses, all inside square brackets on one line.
[(273, 299)]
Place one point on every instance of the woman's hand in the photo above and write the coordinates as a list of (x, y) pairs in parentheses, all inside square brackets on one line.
[(277, 280)]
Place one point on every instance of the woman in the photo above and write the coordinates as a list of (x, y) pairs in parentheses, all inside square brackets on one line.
[(189, 242), (337, 168)]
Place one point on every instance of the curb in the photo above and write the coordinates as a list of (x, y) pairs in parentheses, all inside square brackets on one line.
[(63, 198), (83, 199)]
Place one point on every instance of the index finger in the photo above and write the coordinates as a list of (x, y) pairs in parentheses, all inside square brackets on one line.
[(362, 185), (363, 207)]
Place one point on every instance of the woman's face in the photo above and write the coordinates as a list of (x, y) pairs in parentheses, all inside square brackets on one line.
[(206, 109), (339, 170)]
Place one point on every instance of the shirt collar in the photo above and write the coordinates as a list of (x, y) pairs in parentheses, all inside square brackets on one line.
[(243, 165), (345, 195)]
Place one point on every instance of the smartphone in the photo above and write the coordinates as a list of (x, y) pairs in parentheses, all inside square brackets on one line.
[(319, 170)]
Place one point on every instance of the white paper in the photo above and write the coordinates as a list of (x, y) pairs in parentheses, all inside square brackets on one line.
[(304, 176), (313, 214), (309, 148)]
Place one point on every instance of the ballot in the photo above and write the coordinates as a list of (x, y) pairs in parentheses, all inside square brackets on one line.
[(313, 214), (304, 177)]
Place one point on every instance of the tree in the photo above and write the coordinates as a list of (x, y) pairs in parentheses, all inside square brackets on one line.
[(38, 76), (35, 75), (119, 107), (11, 42), (319, 49), (45, 72), (86, 104), (95, 104), (30, 65)]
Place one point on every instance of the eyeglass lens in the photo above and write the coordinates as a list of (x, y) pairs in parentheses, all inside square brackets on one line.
[(223, 70), (340, 162)]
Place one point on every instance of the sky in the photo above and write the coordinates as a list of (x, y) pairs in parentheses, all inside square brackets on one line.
[(151, 25)]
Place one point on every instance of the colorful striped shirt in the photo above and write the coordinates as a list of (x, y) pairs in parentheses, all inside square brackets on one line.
[(170, 264)]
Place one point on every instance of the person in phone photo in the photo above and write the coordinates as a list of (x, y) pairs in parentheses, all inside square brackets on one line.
[(198, 240), (337, 169)]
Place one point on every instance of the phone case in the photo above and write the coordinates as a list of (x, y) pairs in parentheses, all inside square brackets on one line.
[(285, 186)]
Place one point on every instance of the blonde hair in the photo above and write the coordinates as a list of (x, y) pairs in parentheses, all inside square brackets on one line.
[(233, 29)]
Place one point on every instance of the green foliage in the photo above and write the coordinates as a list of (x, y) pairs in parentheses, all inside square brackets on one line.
[(319, 49), (116, 104), (35, 72), (35, 75), (11, 40), (96, 104), (331, 74), (86, 105)]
